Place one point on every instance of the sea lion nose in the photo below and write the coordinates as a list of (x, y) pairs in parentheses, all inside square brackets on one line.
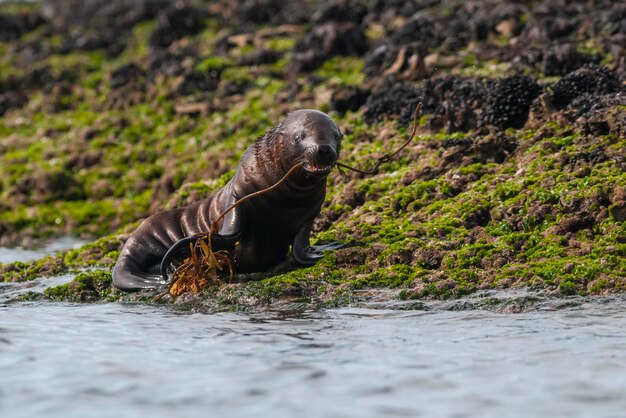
[(325, 154)]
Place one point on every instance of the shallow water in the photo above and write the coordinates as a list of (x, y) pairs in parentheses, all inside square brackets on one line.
[(60, 360), (9, 255), (102, 359)]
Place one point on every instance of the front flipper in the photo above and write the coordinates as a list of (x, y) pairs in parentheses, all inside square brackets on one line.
[(306, 254), (178, 252)]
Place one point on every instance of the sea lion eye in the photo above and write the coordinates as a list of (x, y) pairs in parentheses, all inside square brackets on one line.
[(298, 136)]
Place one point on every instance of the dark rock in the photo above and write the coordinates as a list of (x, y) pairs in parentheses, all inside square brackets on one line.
[(166, 63), (392, 100), (198, 81), (556, 59), (39, 78), (429, 258), (349, 98), (341, 11), (563, 58), (71, 15), (260, 57), (453, 102), (420, 28), (41, 187), (83, 159), (600, 115), (576, 222), (176, 22), (399, 7), (273, 12), (508, 102), (13, 26), (125, 74), (12, 100), (324, 42), (97, 24), (590, 79), (406, 60), (479, 217)]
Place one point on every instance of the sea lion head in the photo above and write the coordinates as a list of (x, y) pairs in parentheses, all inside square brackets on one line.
[(313, 139)]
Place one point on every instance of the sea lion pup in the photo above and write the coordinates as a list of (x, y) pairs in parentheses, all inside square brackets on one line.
[(264, 227)]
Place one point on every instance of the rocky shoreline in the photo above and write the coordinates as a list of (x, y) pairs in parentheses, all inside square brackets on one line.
[(113, 110)]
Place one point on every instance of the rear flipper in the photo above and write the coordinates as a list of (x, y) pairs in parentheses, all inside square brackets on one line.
[(127, 275), (181, 250), (306, 254)]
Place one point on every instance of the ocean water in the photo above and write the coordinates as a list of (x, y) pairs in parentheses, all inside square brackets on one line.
[(110, 360)]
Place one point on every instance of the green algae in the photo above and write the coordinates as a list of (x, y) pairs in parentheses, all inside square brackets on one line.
[(20, 271), (87, 286), (469, 224), (342, 71)]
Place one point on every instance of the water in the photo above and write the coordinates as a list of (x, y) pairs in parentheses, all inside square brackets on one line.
[(9, 255), (103, 360), (110, 360)]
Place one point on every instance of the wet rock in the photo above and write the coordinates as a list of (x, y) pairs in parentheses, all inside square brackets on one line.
[(170, 64), (97, 24), (125, 97), (508, 102), (420, 28), (40, 187), (39, 78), (561, 59), (348, 98), (352, 256), (197, 81), (608, 20), (274, 12), (14, 25), (617, 210), (538, 211), (590, 79), (576, 222), (557, 59), (126, 74), (429, 258), (406, 62), (341, 11), (392, 100), (59, 97), (83, 159), (552, 19), (66, 15), (458, 181), (494, 147), (484, 18), (452, 101), (12, 100), (29, 52), (396, 8), (325, 41), (91, 40), (260, 57), (600, 115), (176, 22), (404, 49)]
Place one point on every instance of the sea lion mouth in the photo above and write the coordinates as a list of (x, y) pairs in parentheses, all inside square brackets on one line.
[(317, 168)]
